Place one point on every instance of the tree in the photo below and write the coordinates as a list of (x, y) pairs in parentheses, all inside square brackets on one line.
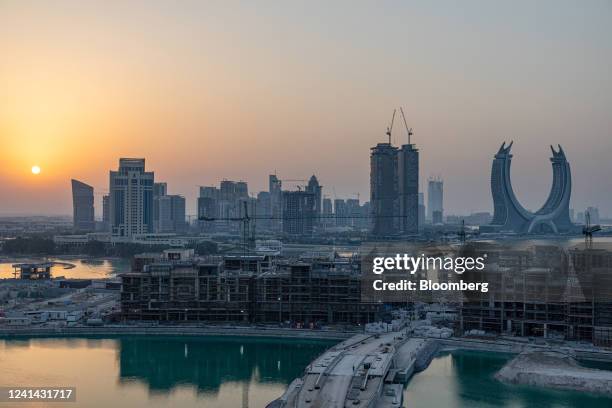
[(27, 246)]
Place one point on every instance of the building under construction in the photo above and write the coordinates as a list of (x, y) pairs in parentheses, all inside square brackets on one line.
[(32, 271), (544, 291), (177, 286)]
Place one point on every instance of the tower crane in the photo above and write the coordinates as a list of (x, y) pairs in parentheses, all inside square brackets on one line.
[(408, 130), (248, 233), (589, 229), (295, 181), (390, 127)]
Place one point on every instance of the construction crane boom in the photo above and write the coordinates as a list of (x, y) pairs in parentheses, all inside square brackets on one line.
[(589, 229), (390, 127), (408, 130), (248, 233)]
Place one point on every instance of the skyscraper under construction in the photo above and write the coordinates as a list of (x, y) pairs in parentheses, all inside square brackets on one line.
[(383, 189), (394, 187), (408, 188)]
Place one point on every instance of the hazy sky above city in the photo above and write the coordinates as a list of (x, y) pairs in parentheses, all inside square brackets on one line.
[(238, 90)]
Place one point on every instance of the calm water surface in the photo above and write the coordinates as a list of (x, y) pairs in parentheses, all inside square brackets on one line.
[(222, 372), (84, 269), (213, 372), (464, 379)]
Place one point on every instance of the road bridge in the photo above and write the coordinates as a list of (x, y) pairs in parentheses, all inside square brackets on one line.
[(364, 371)]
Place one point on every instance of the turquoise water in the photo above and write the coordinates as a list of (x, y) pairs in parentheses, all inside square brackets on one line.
[(212, 372), (464, 379), (222, 372)]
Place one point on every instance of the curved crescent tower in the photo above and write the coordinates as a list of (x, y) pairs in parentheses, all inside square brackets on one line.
[(509, 215)]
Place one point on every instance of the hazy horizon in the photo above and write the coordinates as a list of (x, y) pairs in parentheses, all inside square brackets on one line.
[(207, 91)]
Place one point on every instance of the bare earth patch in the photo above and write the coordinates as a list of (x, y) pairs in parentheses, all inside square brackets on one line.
[(554, 370)]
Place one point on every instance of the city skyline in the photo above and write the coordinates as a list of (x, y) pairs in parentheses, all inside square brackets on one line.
[(306, 203), (297, 90), (191, 200)]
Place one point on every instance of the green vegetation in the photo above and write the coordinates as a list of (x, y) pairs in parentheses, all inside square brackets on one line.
[(29, 246)]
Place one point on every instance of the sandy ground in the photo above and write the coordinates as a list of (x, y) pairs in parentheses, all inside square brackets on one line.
[(555, 370)]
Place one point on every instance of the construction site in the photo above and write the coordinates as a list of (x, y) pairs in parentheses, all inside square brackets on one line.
[(544, 291), (534, 291), (306, 292)]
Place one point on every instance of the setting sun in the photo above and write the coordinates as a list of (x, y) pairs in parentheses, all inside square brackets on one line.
[(35, 170)]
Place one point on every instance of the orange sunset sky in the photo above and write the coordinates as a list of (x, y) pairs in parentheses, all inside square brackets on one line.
[(222, 89)]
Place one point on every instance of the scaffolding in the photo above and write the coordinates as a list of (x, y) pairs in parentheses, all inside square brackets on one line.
[(247, 289), (545, 291)]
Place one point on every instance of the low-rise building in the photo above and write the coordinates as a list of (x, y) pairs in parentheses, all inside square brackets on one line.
[(244, 288), (544, 291)]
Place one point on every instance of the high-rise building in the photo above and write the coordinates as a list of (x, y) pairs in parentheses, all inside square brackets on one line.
[(384, 189), (421, 210), (171, 214), (131, 199), (353, 212), (209, 191), (159, 190), (263, 211), (298, 212), (340, 212), (313, 187), (233, 190), (435, 200), (83, 206), (248, 206), (327, 213), (207, 207), (364, 221), (510, 215), (242, 189), (223, 203), (408, 188), (276, 204), (106, 212), (327, 207)]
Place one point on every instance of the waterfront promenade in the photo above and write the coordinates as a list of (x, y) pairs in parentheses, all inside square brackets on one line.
[(505, 345), (135, 330)]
